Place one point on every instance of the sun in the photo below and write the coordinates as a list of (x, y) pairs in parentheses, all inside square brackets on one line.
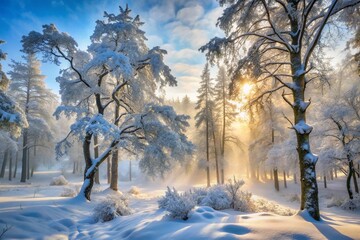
[(246, 89)]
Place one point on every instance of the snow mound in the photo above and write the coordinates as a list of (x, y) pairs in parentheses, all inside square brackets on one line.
[(58, 181)]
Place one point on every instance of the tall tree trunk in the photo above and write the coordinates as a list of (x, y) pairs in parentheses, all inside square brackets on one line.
[(207, 154), (276, 180), (28, 164), (114, 170), (88, 177), (284, 174), (96, 155), (331, 174), (3, 166), (223, 133), (295, 180), (348, 179), (215, 149), (271, 175), (24, 156), (335, 171), (355, 182), (16, 163), (325, 183), (10, 165), (108, 170)]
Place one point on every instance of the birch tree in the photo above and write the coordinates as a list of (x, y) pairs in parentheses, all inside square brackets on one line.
[(271, 31)]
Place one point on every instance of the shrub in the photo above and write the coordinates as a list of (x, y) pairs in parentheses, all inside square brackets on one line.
[(198, 194), (262, 205), (335, 201), (58, 181), (233, 187), (178, 205), (217, 197), (69, 192), (243, 202), (134, 190), (111, 207), (351, 204)]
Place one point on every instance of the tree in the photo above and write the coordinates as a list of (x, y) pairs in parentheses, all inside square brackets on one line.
[(110, 74), (11, 117), (281, 39), (225, 116), (204, 117), (28, 87)]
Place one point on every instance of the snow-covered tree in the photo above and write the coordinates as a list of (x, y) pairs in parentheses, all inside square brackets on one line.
[(204, 117), (118, 69), (225, 114), (28, 87), (280, 39), (11, 117)]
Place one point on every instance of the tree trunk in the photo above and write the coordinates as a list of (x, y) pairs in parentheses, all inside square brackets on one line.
[(331, 174), (28, 164), (88, 176), (10, 166), (295, 180), (216, 153), (348, 179), (271, 175), (74, 167), (276, 179), (355, 182), (325, 184), (96, 155), (16, 163), (284, 173), (114, 170), (358, 170), (258, 173), (108, 170), (3, 166), (24, 156), (207, 154)]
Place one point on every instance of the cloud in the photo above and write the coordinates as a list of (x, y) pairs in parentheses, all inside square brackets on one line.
[(187, 85), (189, 15)]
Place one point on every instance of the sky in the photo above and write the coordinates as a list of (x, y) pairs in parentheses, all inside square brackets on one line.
[(178, 26)]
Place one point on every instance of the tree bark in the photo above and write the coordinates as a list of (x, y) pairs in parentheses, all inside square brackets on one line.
[(10, 166), (348, 179), (108, 170), (24, 156), (28, 164), (216, 153), (96, 155), (16, 163), (276, 180), (3, 166), (295, 180), (284, 174), (325, 184), (207, 151), (114, 170)]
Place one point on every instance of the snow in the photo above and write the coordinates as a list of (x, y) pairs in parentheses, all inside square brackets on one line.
[(36, 211), (302, 128)]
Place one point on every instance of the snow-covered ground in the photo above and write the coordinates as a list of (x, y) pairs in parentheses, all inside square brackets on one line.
[(36, 211)]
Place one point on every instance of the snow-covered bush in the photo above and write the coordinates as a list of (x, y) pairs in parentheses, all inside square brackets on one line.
[(262, 205), (134, 190), (335, 201), (217, 198), (58, 181), (198, 194), (351, 204), (233, 187), (111, 207), (69, 192), (178, 205), (243, 202)]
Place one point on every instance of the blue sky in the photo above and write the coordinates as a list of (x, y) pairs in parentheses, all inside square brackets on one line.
[(179, 26)]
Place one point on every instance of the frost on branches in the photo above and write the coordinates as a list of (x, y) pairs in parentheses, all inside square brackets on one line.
[(110, 88), (11, 117)]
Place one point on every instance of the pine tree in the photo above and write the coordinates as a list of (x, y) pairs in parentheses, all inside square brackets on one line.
[(28, 87), (204, 118)]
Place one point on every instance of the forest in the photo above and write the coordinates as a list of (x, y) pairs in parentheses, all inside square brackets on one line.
[(227, 119)]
